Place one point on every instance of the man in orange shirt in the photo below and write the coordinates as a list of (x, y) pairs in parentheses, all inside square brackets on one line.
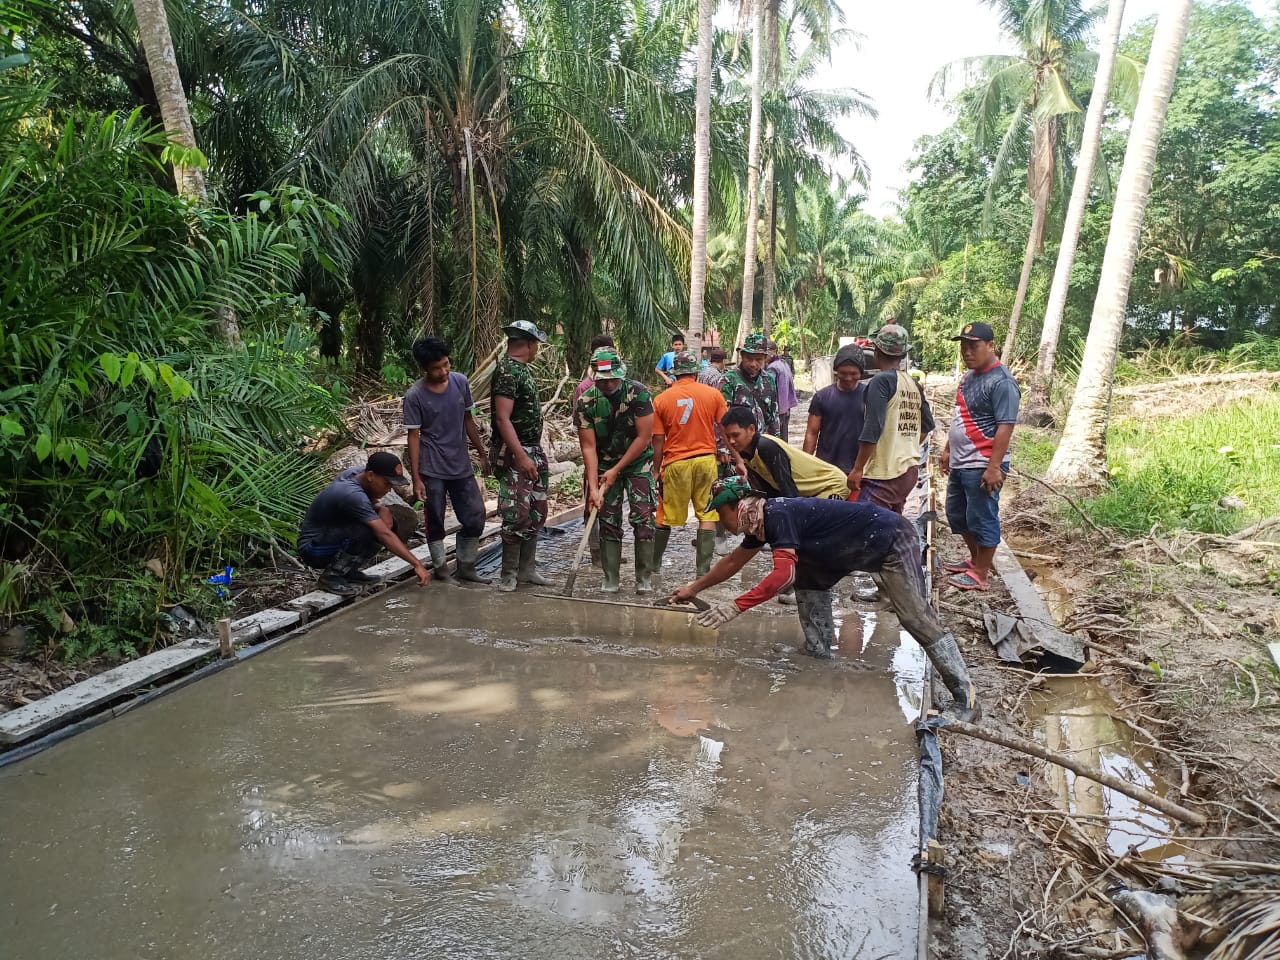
[(686, 420)]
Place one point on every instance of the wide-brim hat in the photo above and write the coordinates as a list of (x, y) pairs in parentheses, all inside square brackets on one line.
[(524, 329)]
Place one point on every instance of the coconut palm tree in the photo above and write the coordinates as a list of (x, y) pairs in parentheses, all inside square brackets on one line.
[(752, 217), (1036, 410), (1032, 92), (1080, 459), (701, 179)]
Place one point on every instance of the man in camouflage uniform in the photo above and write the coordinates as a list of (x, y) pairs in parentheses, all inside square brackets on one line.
[(749, 384), (615, 428), (519, 461)]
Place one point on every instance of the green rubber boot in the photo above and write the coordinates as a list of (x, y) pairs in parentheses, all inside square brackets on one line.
[(949, 662), (644, 566), (439, 562), (510, 564), (610, 563), (529, 564), (705, 551), (660, 541), (817, 622), (468, 552)]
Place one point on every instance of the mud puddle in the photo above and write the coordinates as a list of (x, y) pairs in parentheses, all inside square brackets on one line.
[(1078, 716), (450, 773)]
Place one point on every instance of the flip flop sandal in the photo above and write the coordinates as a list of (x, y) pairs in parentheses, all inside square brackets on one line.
[(967, 581), (956, 566)]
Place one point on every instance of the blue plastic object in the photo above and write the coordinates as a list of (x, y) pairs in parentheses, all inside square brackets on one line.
[(223, 579)]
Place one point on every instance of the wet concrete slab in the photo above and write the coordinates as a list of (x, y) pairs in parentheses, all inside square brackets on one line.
[(454, 773)]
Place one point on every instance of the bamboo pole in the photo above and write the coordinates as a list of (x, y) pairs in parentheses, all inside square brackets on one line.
[(1153, 800)]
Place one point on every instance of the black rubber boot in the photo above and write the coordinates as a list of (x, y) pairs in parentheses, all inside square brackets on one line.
[(510, 565), (817, 622), (528, 572), (644, 566), (610, 563), (439, 562), (468, 551), (705, 552), (948, 661)]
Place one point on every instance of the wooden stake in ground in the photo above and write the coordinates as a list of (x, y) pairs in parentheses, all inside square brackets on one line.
[(1031, 748)]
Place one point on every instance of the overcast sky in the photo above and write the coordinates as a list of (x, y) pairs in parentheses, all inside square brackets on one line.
[(906, 41)]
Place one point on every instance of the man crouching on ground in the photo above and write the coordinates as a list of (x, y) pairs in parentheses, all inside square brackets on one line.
[(816, 543), (345, 525)]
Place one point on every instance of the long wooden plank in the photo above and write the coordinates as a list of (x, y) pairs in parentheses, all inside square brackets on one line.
[(263, 623), (1035, 613), (79, 698)]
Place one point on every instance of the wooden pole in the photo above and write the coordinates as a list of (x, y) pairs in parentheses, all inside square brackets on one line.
[(224, 639), (1153, 800)]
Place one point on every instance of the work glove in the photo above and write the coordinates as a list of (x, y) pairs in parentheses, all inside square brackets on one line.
[(717, 615)]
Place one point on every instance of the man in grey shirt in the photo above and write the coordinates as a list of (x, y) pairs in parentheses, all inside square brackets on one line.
[(438, 415), (344, 526)]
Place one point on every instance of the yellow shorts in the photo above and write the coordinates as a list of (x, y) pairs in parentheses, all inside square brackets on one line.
[(685, 482)]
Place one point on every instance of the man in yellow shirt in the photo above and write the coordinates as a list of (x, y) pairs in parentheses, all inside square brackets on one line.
[(686, 419), (778, 469)]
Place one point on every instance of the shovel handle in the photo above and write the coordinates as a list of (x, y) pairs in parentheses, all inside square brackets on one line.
[(577, 557)]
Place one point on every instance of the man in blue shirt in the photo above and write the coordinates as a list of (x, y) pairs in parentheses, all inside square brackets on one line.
[(439, 418), (815, 543), (665, 364), (345, 525)]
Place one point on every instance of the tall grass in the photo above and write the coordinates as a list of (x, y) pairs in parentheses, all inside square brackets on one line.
[(1173, 472)]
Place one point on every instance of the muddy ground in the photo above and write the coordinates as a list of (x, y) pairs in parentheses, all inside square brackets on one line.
[(1181, 696)]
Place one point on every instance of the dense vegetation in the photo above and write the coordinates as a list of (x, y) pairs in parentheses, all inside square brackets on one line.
[(377, 168)]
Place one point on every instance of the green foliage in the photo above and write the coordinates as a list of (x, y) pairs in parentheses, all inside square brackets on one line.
[(1173, 472), (128, 429)]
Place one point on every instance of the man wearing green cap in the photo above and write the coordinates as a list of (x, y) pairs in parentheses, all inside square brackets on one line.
[(686, 441), (815, 543), (896, 420), (517, 455), (615, 430), (750, 385)]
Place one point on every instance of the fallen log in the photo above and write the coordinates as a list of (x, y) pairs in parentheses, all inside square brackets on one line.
[(1031, 748)]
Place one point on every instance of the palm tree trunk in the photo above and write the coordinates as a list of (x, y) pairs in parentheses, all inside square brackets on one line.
[(162, 63), (1037, 409), (772, 71), (753, 176), (1040, 180), (701, 180), (1080, 459), (157, 44)]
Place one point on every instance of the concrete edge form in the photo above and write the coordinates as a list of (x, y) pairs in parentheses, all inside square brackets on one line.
[(50, 716)]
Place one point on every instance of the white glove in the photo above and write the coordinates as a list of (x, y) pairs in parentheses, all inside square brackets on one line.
[(717, 615)]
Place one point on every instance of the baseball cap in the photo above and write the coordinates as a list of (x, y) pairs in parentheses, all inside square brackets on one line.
[(685, 363), (525, 330), (892, 340), (730, 490), (975, 331), (607, 365), (754, 343), (387, 465)]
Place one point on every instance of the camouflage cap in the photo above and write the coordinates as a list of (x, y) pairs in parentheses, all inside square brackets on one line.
[(755, 343), (685, 363), (607, 365), (892, 340), (524, 330), (730, 490)]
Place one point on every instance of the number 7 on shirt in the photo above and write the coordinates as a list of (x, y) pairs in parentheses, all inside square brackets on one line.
[(686, 408)]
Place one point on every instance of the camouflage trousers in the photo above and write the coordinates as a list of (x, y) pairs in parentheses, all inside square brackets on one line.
[(638, 486), (522, 502)]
